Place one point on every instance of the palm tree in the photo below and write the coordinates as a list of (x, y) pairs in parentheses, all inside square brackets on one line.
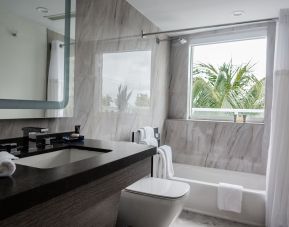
[(227, 86), (122, 98)]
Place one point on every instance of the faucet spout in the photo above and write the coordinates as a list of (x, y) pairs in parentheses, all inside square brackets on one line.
[(28, 130)]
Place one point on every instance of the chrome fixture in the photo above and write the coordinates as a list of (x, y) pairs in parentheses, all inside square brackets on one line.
[(9, 147), (180, 40), (28, 130), (209, 26)]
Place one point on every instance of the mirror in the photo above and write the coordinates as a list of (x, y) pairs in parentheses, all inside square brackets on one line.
[(37, 58), (126, 81)]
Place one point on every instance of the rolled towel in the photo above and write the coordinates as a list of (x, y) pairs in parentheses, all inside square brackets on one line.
[(230, 197), (4, 155), (7, 166), (169, 161)]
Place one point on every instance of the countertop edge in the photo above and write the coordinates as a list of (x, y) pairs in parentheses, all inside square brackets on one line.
[(43, 193)]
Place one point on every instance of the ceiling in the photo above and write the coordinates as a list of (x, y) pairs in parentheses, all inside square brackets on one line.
[(177, 14), (27, 9)]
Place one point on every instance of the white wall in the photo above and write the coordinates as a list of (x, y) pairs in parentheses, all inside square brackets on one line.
[(22, 58), (22, 63)]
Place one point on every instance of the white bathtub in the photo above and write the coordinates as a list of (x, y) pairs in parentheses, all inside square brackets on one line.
[(203, 194)]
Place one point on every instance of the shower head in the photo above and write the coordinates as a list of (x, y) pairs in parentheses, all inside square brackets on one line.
[(179, 40), (182, 40)]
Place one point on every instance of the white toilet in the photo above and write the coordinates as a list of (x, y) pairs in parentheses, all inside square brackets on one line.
[(152, 202)]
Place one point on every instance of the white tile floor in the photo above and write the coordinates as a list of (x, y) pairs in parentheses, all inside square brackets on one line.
[(189, 219)]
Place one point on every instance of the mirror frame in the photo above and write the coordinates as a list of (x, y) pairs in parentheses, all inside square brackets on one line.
[(37, 104)]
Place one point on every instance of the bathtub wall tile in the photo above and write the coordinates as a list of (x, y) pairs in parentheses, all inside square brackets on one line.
[(178, 91), (215, 144), (221, 145), (107, 26)]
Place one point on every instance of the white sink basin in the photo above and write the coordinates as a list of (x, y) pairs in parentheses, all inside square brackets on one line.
[(57, 158)]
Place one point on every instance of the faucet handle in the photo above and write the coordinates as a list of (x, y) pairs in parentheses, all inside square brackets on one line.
[(27, 130), (8, 147)]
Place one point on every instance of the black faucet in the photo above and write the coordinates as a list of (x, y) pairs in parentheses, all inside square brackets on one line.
[(28, 130), (8, 146)]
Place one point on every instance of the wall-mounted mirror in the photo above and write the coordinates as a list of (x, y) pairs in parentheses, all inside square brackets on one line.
[(36, 58), (126, 81)]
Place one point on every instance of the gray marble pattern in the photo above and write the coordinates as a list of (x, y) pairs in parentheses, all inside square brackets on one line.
[(107, 26), (189, 219), (216, 144), (223, 145), (114, 25)]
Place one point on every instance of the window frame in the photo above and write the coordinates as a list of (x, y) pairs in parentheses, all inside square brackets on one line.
[(221, 36)]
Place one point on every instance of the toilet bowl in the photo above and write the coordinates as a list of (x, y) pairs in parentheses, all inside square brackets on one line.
[(152, 202)]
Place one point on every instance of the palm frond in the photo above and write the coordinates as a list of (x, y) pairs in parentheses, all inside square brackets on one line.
[(227, 85)]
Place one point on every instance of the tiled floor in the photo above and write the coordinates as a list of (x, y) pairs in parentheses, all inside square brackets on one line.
[(189, 219)]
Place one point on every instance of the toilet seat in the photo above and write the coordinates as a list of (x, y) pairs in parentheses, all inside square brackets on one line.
[(160, 188)]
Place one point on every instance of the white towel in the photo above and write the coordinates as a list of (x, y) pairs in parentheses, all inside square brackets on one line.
[(161, 164), (149, 132), (7, 166), (149, 141), (168, 160), (147, 136), (230, 197)]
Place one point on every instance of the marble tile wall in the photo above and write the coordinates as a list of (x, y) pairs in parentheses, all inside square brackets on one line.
[(225, 145), (221, 145), (107, 26)]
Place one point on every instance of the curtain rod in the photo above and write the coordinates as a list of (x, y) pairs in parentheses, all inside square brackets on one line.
[(209, 26)]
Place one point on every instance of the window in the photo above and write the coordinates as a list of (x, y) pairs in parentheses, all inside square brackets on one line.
[(228, 78), (126, 81)]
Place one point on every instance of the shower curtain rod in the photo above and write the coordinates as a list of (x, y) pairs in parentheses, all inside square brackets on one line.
[(209, 26)]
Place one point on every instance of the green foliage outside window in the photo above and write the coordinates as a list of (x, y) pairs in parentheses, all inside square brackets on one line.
[(227, 86)]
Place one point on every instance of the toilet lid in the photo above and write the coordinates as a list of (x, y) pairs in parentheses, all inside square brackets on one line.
[(157, 187)]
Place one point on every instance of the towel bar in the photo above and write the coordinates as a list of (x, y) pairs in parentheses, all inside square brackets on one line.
[(135, 137)]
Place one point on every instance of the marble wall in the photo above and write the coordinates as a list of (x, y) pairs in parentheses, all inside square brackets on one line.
[(107, 26), (223, 145)]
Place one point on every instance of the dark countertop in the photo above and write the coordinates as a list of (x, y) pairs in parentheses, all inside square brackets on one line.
[(29, 186)]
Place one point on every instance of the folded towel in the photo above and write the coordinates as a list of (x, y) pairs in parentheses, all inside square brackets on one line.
[(230, 197), (149, 132), (149, 141), (7, 166), (169, 160), (147, 136)]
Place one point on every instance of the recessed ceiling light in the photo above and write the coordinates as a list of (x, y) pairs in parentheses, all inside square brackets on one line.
[(238, 13), (42, 9)]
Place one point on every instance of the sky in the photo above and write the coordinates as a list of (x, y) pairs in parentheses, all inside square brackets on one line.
[(240, 52)]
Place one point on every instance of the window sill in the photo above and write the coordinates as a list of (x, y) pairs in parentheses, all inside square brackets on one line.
[(216, 121)]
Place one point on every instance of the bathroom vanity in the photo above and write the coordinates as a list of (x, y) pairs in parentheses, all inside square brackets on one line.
[(76, 184)]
